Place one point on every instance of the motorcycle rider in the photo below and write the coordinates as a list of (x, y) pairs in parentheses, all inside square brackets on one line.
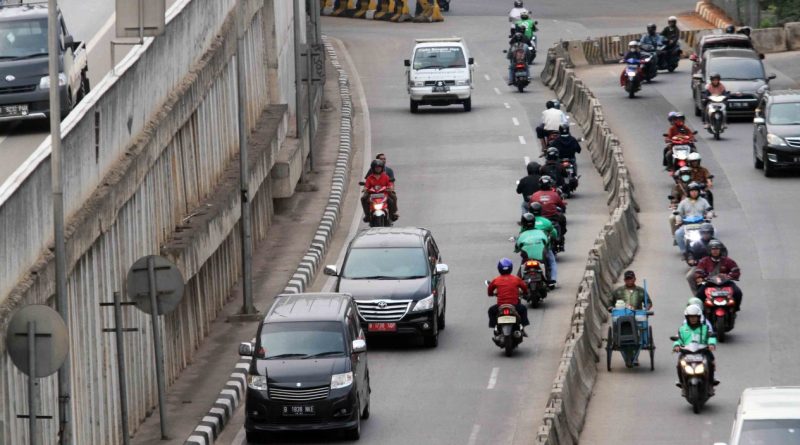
[(533, 244), (680, 190), (701, 175), (516, 11), (553, 168), (553, 206), (389, 171), (633, 53), (633, 296), (381, 179), (692, 206), (671, 35), (552, 120), (694, 331), (535, 220), (528, 185), (508, 287), (677, 127), (526, 21), (517, 53), (655, 40), (694, 301), (567, 146), (717, 264), (699, 250), (714, 88)]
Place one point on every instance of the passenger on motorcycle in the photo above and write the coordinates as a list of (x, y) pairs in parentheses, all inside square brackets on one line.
[(680, 190), (701, 175), (694, 301), (567, 146), (655, 40), (529, 185), (694, 331), (699, 250), (517, 54), (714, 88), (389, 171), (552, 120), (378, 178), (692, 207), (526, 21), (508, 287), (677, 127), (717, 264), (552, 167), (633, 53), (539, 222), (671, 33), (516, 11), (631, 294), (551, 203)]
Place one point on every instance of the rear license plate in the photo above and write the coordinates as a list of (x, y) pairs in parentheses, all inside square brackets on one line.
[(440, 89), (14, 110), (507, 319), (376, 196), (738, 105), (298, 410), (382, 327)]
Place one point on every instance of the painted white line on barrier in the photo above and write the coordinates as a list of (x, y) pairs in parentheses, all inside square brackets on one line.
[(486, 76), (527, 160), (505, 104), (473, 436), (493, 378), (522, 140), (496, 91), (515, 121)]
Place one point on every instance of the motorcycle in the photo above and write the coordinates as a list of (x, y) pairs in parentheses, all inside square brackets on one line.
[(694, 374), (717, 113), (521, 78), (379, 207), (571, 181), (508, 330), (681, 146), (532, 50), (719, 305), (533, 275), (691, 227), (634, 73), (651, 68), (668, 60)]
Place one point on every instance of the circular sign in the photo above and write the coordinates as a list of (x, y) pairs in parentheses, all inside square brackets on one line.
[(168, 284), (52, 340)]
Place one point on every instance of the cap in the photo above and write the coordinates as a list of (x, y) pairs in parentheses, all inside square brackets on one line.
[(629, 274)]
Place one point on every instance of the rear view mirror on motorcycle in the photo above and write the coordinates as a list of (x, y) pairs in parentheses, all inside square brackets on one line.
[(362, 183), (674, 338), (665, 135)]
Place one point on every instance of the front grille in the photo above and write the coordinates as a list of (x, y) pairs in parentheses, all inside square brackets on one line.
[(17, 89), (383, 310), (431, 83), (299, 394), (793, 142)]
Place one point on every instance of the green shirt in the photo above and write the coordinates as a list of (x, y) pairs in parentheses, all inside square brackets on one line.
[(529, 27), (545, 225), (632, 297), (534, 243), (688, 334)]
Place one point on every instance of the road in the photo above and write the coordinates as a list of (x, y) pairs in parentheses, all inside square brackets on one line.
[(758, 225)]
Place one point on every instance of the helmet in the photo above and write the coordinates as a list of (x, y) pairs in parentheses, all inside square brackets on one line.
[(692, 311), (505, 266), (563, 130), (694, 185), (545, 182), (528, 220), (671, 115), (694, 301), (714, 244), (556, 104), (706, 228), (552, 154), (633, 43), (536, 208), (671, 19), (533, 168), (714, 76), (376, 163), (549, 104), (517, 3), (651, 27), (679, 115), (524, 14), (730, 29), (694, 157)]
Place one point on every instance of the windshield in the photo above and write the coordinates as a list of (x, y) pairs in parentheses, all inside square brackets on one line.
[(301, 340), (784, 114), (736, 68), (770, 432), (23, 38), (439, 57), (386, 263)]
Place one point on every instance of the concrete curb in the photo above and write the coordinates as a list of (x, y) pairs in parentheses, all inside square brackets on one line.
[(386, 10), (232, 395)]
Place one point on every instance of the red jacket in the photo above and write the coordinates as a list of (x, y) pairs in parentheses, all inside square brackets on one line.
[(381, 181), (550, 200), (507, 288), (682, 131), (726, 266)]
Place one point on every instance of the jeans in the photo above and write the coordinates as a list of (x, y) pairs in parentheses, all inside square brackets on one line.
[(551, 264), (524, 206), (679, 239)]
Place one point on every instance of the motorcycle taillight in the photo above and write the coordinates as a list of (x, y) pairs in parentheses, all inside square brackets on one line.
[(520, 65), (506, 312), (681, 163)]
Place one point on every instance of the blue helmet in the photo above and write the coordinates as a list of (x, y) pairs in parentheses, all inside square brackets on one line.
[(505, 266)]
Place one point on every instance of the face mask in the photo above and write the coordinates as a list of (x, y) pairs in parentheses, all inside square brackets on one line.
[(685, 178)]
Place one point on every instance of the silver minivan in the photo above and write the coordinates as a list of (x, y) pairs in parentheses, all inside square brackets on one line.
[(767, 416)]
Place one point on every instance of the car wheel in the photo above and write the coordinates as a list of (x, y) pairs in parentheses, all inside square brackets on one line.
[(255, 437), (441, 318), (365, 411), (468, 104), (413, 105), (757, 163), (355, 432), (769, 170), (84, 87), (432, 340), (70, 105)]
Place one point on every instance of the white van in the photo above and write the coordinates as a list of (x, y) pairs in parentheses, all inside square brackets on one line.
[(767, 416), (439, 73)]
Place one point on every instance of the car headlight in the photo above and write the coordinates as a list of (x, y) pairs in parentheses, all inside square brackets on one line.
[(700, 369), (775, 140), (44, 82), (462, 82), (258, 382), (416, 83), (424, 304), (688, 370), (341, 380)]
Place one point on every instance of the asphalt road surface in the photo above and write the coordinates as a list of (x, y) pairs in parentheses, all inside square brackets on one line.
[(757, 222)]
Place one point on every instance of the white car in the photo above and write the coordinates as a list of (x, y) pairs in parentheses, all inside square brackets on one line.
[(767, 416), (439, 73)]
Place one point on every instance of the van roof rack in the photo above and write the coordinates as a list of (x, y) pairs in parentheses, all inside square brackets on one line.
[(443, 39)]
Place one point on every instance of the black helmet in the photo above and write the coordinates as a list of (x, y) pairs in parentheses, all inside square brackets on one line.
[(707, 228), (517, 3), (545, 182), (528, 220), (714, 76), (376, 163), (549, 104), (536, 209), (533, 168), (651, 27), (552, 154), (730, 29), (694, 186), (563, 130), (556, 104), (714, 244), (745, 30)]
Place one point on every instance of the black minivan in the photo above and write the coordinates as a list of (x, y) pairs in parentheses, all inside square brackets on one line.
[(396, 277), (309, 368)]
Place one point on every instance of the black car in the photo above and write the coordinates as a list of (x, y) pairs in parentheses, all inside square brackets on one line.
[(397, 280), (742, 73), (776, 131), (309, 368)]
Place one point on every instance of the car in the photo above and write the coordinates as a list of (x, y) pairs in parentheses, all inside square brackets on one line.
[(25, 84), (717, 41), (741, 71), (396, 276), (441, 73), (767, 415), (309, 368), (776, 131)]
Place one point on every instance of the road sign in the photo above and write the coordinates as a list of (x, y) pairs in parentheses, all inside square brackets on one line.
[(140, 18), (52, 342), (168, 284)]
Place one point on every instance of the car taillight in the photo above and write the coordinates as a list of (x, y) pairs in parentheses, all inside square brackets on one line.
[(506, 312)]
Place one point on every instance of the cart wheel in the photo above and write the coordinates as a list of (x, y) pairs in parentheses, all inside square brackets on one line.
[(652, 348), (609, 349)]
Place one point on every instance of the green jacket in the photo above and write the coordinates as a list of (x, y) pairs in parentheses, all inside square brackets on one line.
[(534, 243), (529, 27), (687, 335), (545, 225), (634, 298)]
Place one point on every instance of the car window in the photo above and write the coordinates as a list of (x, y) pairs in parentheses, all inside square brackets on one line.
[(385, 263), (770, 432), (730, 68), (784, 114), (300, 339), (439, 57), (23, 38)]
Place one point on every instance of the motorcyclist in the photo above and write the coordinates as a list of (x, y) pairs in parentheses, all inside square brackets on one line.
[(634, 298), (514, 14), (568, 147), (717, 264), (553, 206), (701, 175), (528, 185), (671, 33), (508, 287), (533, 244), (694, 301), (693, 206), (389, 171), (539, 222), (698, 250), (552, 120), (715, 87), (655, 40), (677, 127), (680, 190), (694, 331), (378, 178), (529, 24), (633, 53), (553, 168), (517, 53)]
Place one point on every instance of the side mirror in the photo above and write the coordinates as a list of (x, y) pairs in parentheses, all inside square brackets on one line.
[(330, 270), (665, 135), (761, 56), (772, 76), (505, 51), (442, 269), (69, 41), (246, 349), (694, 132), (406, 62), (759, 121), (486, 282), (670, 197), (535, 22), (391, 179), (471, 60), (674, 338), (359, 346)]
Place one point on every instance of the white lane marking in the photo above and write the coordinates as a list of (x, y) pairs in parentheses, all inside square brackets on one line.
[(515, 121), (505, 104), (496, 91), (527, 160), (522, 140), (240, 437), (10, 131), (99, 35), (486, 76), (493, 378), (473, 436)]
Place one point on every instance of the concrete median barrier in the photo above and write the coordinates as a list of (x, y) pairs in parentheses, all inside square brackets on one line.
[(425, 11), (769, 40), (792, 36)]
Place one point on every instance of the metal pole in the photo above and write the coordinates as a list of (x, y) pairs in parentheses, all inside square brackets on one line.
[(244, 171), (141, 21), (123, 393), (33, 393), (298, 102), (309, 100), (65, 434), (162, 405)]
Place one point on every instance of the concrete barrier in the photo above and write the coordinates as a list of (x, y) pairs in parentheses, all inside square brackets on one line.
[(769, 40), (425, 11)]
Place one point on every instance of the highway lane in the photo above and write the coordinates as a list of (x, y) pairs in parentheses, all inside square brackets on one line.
[(755, 221)]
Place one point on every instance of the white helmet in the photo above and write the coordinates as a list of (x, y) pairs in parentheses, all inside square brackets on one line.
[(672, 18), (633, 43), (694, 157), (692, 311)]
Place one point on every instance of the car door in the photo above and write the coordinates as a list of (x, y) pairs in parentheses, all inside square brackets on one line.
[(437, 280), (759, 130), (358, 361)]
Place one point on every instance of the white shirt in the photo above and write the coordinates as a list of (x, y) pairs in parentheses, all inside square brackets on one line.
[(514, 14), (553, 118)]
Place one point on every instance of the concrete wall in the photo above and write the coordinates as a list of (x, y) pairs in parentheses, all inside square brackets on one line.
[(159, 178)]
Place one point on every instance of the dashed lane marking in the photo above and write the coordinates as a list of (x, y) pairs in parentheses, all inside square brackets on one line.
[(522, 140), (493, 378), (515, 121)]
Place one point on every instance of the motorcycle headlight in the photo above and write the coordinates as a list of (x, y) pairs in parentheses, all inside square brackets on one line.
[(44, 82), (700, 369), (688, 370), (258, 382), (424, 305), (683, 362), (775, 140), (341, 380)]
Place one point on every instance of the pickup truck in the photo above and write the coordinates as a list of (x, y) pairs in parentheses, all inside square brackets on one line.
[(24, 81)]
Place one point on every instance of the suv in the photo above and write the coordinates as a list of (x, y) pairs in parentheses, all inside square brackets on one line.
[(742, 73), (441, 73), (718, 41), (397, 280), (776, 131), (25, 85), (767, 415), (309, 368)]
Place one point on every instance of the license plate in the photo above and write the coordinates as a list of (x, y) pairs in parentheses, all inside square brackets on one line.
[(440, 89), (693, 358), (376, 196), (382, 327), (738, 105), (506, 319), (14, 110), (298, 410)]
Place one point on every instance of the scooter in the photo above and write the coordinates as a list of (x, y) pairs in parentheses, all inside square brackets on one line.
[(379, 207), (521, 77), (670, 57), (533, 275), (691, 228), (634, 74), (717, 112), (508, 330), (680, 147), (532, 50), (719, 305), (651, 68), (571, 181), (694, 374)]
